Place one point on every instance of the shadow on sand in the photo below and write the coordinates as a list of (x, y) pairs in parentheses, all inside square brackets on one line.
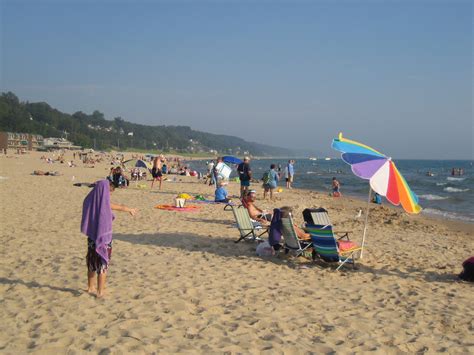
[(225, 247), (34, 284)]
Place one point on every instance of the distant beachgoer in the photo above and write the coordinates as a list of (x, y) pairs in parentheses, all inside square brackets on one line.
[(214, 172), (289, 174), (156, 172), (377, 199), (96, 223), (336, 188), (245, 175), (221, 193), (270, 181), (119, 179), (256, 213)]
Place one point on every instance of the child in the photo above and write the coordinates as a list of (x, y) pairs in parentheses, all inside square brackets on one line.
[(335, 188), (96, 223), (221, 193)]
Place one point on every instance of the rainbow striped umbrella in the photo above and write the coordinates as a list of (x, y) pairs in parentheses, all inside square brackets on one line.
[(384, 177)]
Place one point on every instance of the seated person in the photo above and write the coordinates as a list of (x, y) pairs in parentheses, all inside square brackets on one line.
[(302, 235), (221, 193), (164, 169), (119, 179), (46, 173), (256, 213)]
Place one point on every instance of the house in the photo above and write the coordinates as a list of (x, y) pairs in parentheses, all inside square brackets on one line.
[(23, 141), (59, 143)]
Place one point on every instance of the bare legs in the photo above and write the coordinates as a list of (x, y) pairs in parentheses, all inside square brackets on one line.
[(100, 283), (91, 282), (153, 181)]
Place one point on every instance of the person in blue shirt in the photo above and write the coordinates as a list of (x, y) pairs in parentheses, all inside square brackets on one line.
[(270, 181), (289, 173), (221, 193)]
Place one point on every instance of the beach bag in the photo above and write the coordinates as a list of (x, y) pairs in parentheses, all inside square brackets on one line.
[(266, 178), (264, 249), (468, 270)]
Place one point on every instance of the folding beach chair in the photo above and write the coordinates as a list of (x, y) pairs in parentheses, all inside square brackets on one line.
[(292, 242), (320, 217), (327, 247), (248, 231), (316, 217)]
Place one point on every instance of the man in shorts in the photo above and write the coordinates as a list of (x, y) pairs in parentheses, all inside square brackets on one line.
[(245, 175), (289, 173), (156, 172)]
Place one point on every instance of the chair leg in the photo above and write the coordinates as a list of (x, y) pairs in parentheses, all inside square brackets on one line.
[(242, 237), (345, 261)]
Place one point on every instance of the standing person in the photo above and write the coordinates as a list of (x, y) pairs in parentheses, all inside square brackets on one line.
[(156, 172), (279, 171), (289, 174), (96, 223), (270, 181), (245, 175), (215, 173), (210, 171), (336, 185)]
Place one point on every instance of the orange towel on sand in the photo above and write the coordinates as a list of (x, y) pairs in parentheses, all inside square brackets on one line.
[(346, 245)]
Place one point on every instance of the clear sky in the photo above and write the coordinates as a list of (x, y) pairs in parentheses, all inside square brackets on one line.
[(393, 74)]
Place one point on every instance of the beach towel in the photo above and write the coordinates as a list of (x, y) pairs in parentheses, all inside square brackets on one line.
[(274, 234), (178, 209), (97, 218)]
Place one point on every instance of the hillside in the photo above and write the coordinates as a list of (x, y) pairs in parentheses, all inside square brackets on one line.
[(95, 130)]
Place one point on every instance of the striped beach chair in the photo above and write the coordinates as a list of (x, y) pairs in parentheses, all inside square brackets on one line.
[(326, 247), (247, 229), (292, 242)]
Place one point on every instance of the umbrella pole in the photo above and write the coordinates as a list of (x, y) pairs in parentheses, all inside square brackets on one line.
[(365, 224)]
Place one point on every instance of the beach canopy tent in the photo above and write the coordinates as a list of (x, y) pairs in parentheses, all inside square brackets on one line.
[(137, 163), (384, 177), (231, 160)]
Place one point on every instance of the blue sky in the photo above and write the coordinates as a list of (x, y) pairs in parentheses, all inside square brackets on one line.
[(393, 74)]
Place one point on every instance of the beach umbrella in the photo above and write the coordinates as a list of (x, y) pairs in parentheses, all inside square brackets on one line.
[(231, 160), (382, 173)]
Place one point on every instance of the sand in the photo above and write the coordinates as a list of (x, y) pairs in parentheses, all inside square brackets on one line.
[(179, 283)]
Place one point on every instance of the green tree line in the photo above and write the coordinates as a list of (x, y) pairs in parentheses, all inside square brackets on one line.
[(94, 130)]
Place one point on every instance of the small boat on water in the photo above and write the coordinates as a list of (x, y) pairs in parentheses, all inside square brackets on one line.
[(327, 158), (313, 158)]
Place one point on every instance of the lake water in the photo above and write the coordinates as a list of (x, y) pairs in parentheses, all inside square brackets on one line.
[(442, 195)]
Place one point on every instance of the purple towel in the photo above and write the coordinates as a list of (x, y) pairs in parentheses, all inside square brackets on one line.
[(274, 235), (97, 218)]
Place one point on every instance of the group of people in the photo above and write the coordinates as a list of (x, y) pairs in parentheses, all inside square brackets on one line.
[(97, 209), (270, 178)]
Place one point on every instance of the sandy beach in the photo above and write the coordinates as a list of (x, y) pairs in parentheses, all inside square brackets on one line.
[(179, 283)]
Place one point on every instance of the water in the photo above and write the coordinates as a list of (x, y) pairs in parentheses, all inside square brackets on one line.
[(442, 195)]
